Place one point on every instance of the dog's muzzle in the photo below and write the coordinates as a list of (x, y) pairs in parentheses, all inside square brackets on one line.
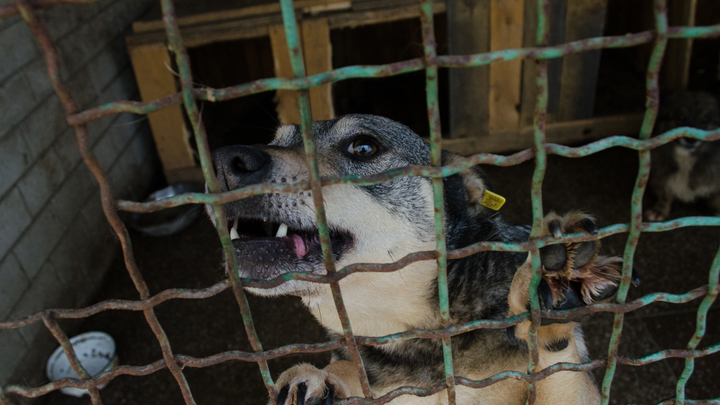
[(269, 234), (240, 166)]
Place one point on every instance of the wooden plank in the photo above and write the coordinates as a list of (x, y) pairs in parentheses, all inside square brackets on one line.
[(360, 18), (327, 8), (506, 32), (317, 52), (529, 94), (151, 64), (468, 33), (558, 20), (195, 15), (585, 19), (557, 36), (365, 5), (206, 34), (675, 70), (317, 55), (286, 101), (566, 133), (258, 26), (185, 175)]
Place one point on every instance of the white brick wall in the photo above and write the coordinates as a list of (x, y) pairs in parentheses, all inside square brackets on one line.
[(55, 243)]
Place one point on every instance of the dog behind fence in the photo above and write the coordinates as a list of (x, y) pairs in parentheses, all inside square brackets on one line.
[(430, 63)]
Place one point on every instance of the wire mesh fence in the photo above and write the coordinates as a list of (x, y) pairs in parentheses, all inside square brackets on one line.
[(430, 63)]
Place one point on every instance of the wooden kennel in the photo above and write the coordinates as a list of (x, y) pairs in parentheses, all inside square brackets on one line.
[(490, 107)]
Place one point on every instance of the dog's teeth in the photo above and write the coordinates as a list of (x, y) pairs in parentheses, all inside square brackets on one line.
[(282, 231), (233, 231)]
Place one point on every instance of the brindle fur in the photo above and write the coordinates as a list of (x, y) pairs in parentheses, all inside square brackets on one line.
[(383, 223), (685, 169)]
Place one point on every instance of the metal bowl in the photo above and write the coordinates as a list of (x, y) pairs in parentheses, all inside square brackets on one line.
[(170, 220), (94, 350)]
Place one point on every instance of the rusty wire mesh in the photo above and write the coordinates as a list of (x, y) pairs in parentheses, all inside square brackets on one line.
[(430, 63)]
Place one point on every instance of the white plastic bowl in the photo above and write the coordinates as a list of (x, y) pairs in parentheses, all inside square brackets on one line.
[(96, 352)]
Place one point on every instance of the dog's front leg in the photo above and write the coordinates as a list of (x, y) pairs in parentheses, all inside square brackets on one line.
[(573, 275), (305, 384), (661, 209)]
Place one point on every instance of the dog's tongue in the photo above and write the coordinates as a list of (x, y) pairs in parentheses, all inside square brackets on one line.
[(300, 248)]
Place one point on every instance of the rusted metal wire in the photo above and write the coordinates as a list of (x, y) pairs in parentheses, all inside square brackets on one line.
[(292, 37), (701, 321), (392, 69), (4, 400), (540, 152), (62, 338), (356, 268), (183, 63), (156, 366), (414, 334), (433, 111), (108, 204), (425, 171), (430, 63), (128, 305), (651, 111)]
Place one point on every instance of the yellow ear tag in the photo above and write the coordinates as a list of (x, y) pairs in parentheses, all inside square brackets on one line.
[(492, 200)]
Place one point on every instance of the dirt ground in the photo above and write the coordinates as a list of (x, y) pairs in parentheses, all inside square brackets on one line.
[(672, 262)]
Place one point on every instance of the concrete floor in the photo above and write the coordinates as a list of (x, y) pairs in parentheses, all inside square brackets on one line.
[(601, 184)]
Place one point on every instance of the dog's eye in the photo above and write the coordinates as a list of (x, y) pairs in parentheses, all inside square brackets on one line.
[(363, 147)]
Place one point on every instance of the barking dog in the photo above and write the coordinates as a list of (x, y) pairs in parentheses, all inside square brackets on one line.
[(384, 222)]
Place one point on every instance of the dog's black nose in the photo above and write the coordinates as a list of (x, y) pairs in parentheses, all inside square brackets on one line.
[(239, 166)]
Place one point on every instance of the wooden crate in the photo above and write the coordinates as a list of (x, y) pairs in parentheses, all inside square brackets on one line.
[(491, 107), (214, 21)]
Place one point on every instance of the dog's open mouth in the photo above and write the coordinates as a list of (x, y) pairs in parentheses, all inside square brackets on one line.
[(268, 248)]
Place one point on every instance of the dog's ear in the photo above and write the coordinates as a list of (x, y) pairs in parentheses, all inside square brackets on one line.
[(475, 180)]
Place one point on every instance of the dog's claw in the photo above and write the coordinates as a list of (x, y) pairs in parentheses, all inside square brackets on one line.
[(282, 395), (511, 334), (606, 293), (635, 278), (299, 395), (570, 300), (307, 385), (545, 295), (327, 399), (588, 224), (301, 391), (330, 396), (555, 229)]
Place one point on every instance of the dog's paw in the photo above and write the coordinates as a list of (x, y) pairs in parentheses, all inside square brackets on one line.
[(655, 214), (574, 274), (307, 385)]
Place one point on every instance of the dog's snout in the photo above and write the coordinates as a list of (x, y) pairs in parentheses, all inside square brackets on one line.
[(246, 160), (240, 165)]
